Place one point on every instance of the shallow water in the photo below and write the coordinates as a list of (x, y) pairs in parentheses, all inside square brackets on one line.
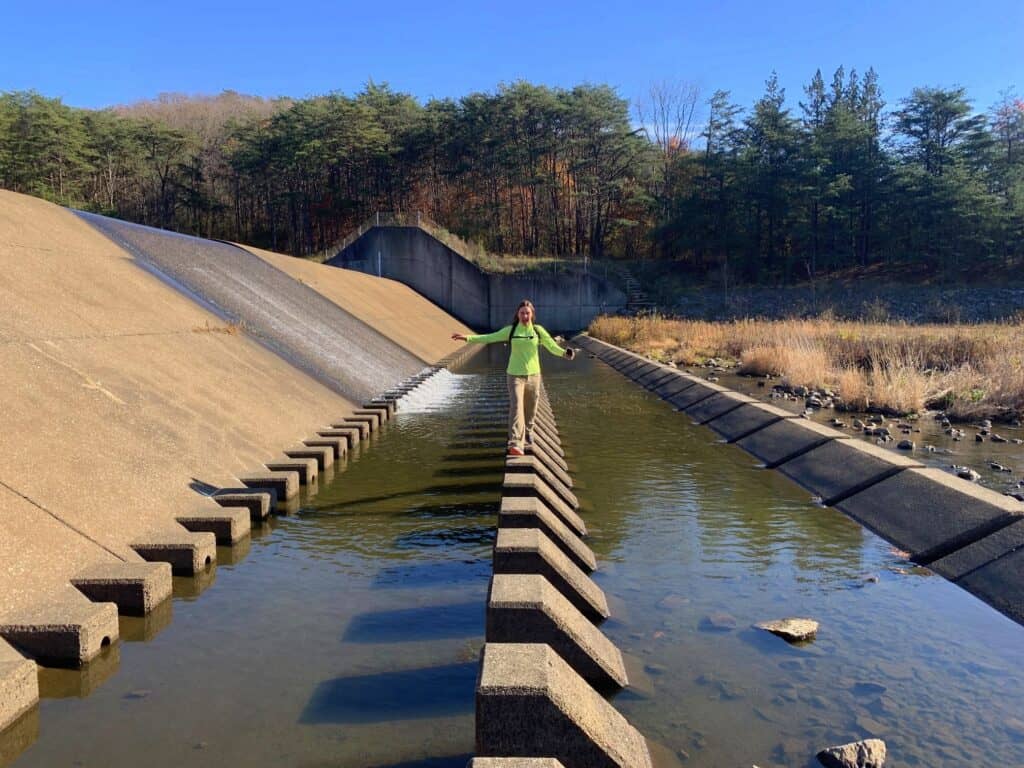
[(348, 634)]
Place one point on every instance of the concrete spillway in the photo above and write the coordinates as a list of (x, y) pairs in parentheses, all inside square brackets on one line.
[(290, 318)]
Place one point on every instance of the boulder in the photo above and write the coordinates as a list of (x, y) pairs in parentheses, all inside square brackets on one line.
[(869, 753), (792, 630)]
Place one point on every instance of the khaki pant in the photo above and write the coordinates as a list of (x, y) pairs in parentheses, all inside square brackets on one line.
[(523, 395)]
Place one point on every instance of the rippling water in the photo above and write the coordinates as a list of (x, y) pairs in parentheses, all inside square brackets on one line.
[(348, 635)]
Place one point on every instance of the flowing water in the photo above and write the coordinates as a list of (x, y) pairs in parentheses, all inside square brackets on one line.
[(349, 634)]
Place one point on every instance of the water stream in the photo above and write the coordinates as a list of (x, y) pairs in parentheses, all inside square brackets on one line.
[(348, 634)]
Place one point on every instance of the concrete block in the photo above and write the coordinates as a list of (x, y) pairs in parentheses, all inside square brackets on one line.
[(717, 405), (371, 422), (136, 588), (64, 633), (307, 468), (388, 406), (323, 454), (258, 503), (188, 553), (689, 397), (998, 584), (654, 381), (285, 484), (651, 376), (525, 608), (526, 550), (380, 411), (636, 373), (142, 629), (528, 464), (787, 439), (525, 512), (532, 462), (530, 703), (932, 514), (373, 418), (545, 431), (338, 445), (674, 385), (530, 485), (229, 525), (550, 459), (548, 445), (840, 468), (19, 685), (962, 562), (353, 432), (746, 419)]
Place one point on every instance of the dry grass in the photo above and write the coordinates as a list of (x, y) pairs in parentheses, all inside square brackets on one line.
[(972, 371)]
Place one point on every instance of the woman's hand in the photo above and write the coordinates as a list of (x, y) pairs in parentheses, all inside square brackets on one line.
[(458, 337)]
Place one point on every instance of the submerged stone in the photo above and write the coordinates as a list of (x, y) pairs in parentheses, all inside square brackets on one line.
[(869, 753), (793, 630)]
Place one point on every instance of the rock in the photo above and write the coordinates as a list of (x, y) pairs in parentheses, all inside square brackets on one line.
[(995, 465), (813, 402), (986, 424), (791, 630), (978, 438), (998, 438), (760, 383), (966, 473), (858, 424), (838, 423), (140, 693), (869, 753), (1018, 441), (800, 391), (906, 445), (719, 621), (673, 601)]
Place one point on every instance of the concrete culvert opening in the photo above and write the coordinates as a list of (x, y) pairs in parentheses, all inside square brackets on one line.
[(105, 641), (209, 560)]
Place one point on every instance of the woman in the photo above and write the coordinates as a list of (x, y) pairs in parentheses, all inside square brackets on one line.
[(524, 338)]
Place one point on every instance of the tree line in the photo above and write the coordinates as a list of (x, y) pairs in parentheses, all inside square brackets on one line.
[(769, 193)]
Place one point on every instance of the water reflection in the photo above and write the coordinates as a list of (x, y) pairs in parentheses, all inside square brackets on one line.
[(695, 546)]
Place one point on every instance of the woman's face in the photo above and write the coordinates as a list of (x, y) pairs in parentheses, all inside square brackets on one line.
[(525, 315)]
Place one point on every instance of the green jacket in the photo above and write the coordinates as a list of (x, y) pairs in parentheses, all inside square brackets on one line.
[(525, 357)]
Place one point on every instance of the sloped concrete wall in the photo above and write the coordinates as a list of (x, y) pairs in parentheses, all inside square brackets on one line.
[(565, 302), (970, 535)]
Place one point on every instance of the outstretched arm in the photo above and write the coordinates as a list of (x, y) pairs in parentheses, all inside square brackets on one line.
[(551, 345), (484, 338)]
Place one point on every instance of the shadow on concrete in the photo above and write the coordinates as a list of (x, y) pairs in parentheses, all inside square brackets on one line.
[(391, 696), (431, 622), (496, 469)]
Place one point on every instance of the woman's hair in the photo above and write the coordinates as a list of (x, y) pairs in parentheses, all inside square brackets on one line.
[(533, 312)]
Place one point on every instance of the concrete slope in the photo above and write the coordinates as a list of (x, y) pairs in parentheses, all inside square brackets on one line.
[(390, 307), (118, 390), (292, 319)]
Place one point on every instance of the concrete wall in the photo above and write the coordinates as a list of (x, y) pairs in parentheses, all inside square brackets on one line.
[(564, 302), (970, 535)]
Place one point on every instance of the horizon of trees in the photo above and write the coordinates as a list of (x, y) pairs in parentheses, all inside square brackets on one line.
[(765, 194)]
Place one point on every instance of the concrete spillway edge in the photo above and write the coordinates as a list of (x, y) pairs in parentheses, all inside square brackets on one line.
[(546, 663), (968, 534)]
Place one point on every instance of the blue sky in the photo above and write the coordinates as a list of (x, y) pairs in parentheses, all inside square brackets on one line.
[(103, 53)]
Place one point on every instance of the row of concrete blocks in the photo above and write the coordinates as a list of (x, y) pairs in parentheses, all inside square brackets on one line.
[(546, 665), (969, 534), (72, 632)]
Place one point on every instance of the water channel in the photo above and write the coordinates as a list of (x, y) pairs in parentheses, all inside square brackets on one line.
[(348, 634)]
